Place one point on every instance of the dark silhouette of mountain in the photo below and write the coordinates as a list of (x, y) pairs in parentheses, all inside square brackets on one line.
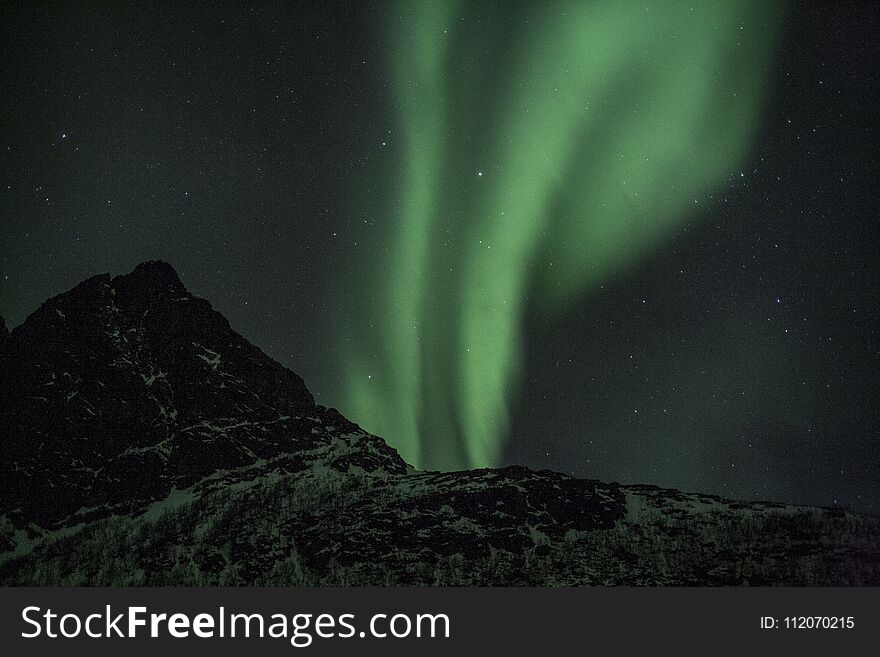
[(123, 389), (146, 442)]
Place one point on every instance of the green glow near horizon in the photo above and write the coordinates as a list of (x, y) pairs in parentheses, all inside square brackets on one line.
[(542, 149)]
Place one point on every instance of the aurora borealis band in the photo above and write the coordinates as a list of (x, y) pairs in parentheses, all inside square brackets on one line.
[(540, 152), (629, 241)]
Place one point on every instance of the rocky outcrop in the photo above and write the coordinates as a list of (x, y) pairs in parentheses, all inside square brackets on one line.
[(125, 388)]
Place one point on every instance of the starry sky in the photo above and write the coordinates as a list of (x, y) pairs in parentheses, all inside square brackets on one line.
[(629, 241)]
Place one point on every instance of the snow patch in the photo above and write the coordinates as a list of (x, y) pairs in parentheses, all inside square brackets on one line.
[(151, 379), (211, 357)]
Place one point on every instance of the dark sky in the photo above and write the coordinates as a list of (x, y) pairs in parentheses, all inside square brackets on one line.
[(753, 337), (740, 359)]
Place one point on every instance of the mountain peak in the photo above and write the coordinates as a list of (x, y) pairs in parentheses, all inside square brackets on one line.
[(151, 281), (158, 270), (135, 380)]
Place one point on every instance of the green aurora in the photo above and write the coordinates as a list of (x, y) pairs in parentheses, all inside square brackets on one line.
[(539, 150)]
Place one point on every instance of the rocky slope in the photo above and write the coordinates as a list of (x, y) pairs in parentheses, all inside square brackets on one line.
[(145, 442)]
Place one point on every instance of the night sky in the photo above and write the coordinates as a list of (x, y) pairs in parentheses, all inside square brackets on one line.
[(629, 241)]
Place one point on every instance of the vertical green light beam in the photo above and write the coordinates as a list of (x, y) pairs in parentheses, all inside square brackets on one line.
[(607, 124), (389, 405)]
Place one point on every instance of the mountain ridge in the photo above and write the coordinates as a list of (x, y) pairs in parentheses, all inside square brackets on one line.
[(142, 432), (126, 373)]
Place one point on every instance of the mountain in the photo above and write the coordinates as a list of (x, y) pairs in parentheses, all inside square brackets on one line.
[(124, 389), (146, 442)]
